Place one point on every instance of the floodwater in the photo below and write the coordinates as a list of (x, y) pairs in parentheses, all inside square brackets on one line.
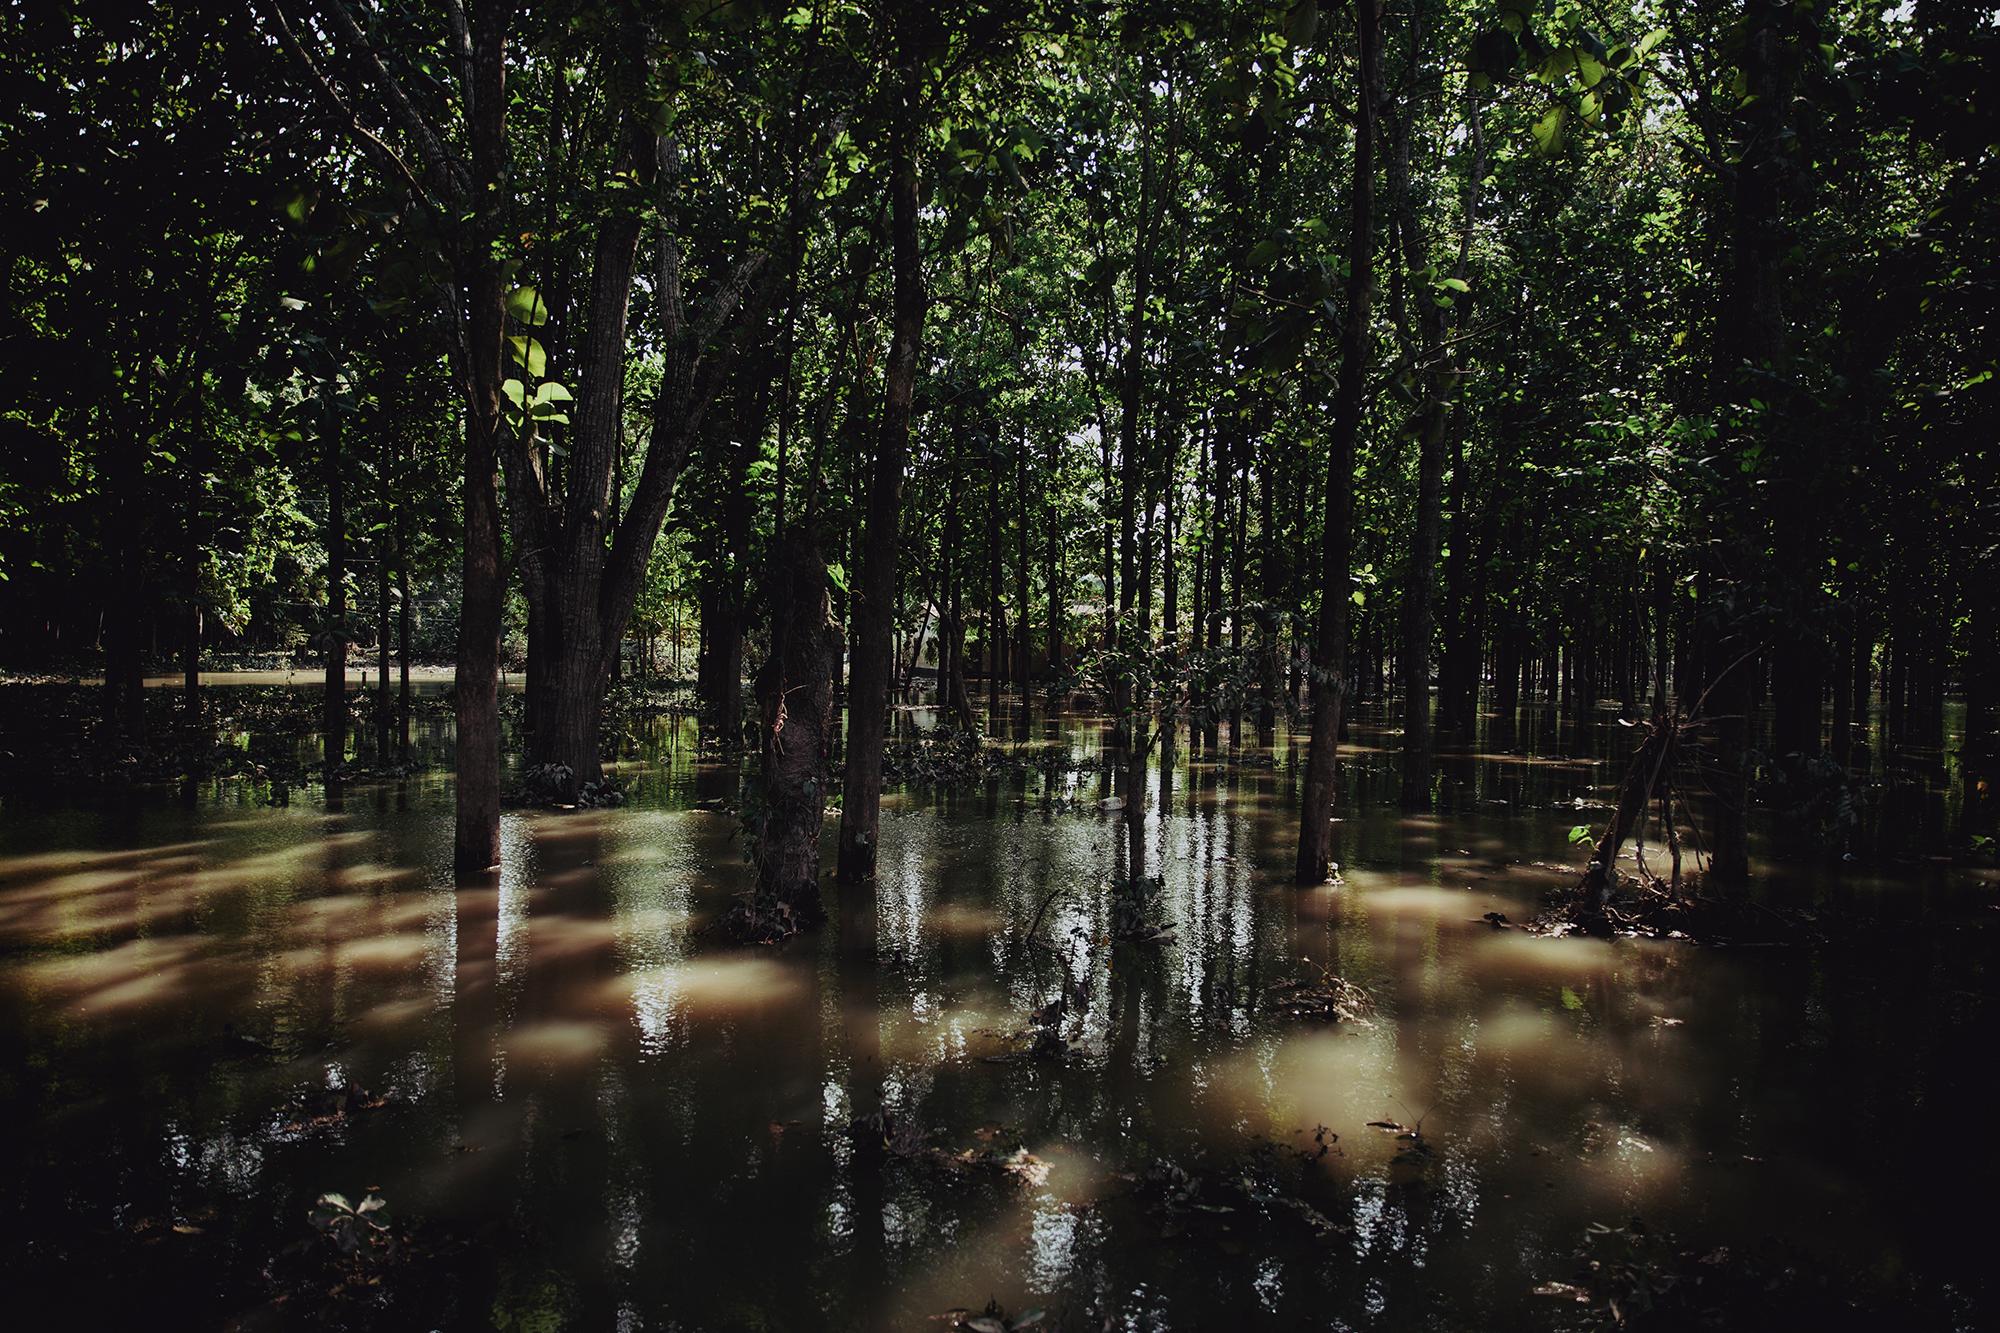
[(596, 1113)]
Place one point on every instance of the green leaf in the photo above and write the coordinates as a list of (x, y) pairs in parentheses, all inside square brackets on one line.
[(1548, 131), (515, 393), (836, 574), (547, 403), (1579, 833), (526, 305), (528, 354)]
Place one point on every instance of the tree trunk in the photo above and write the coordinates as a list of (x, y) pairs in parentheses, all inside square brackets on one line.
[(1131, 402), (1267, 597), (1215, 543), (953, 697), (1023, 641), (476, 835), (868, 688), (1199, 703), (191, 663), (1642, 780), (1980, 758), (1315, 858), (382, 715), (123, 463), (333, 713), (795, 692), (402, 638), (1052, 581), (996, 623), (1751, 344)]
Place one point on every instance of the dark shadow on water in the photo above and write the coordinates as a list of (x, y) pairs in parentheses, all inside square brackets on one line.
[(602, 1114)]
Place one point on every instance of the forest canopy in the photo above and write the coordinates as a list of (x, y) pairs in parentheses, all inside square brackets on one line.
[(1213, 360)]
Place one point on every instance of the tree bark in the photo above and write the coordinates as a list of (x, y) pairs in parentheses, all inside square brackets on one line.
[(382, 637), (1131, 401), (868, 684), (1052, 578), (1315, 856), (402, 638), (333, 711), (795, 692), (1458, 698), (1642, 780), (996, 619), (476, 835), (1751, 346), (1023, 640)]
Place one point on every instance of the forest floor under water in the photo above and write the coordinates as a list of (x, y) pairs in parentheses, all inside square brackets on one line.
[(266, 1066)]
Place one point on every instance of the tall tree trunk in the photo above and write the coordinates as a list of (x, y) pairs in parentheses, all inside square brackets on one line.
[(476, 835), (1458, 702), (996, 621), (795, 691), (1239, 541), (953, 697), (1751, 343), (1433, 418), (1315, 858), (333, 713), (1267, 598), (1131, 403), (1980, 758), (402, 638), (1052, 581), (572, 572), (1216, 543), (1023, 640), (868, 687), (1200, 703), (191, 659), (382, 637), (581, 557)]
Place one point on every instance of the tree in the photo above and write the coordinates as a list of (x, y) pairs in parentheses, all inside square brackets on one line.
[(1315, 858)]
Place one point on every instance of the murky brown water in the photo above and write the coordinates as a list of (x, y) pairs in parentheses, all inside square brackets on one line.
[(603, 1116)]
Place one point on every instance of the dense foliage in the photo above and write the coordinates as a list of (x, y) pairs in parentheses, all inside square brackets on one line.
[(1672, 365)]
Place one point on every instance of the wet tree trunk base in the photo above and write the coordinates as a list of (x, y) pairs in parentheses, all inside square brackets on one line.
[(795, 699), (1643, 780)]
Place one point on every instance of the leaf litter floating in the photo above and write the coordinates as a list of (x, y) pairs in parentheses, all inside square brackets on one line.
[(895, 1136), (1326, 998)]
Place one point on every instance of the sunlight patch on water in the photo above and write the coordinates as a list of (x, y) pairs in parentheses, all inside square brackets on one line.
[(517, 878), (552, 1043), (137, 973), (1518, 956), (710, 986), (1443, 905)]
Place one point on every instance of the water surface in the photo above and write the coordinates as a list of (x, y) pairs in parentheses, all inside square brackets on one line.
[(604, 1115)]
